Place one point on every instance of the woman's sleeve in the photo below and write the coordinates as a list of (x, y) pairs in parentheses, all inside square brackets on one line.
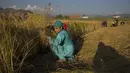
[(59, 39)]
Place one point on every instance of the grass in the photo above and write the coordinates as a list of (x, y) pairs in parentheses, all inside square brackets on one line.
[(16, 45), (20, 39), (117, 37)]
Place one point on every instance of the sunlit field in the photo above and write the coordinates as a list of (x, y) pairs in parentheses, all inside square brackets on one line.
[(21, 39)]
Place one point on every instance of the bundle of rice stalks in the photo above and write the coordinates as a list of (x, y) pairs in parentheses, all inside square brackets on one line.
[(16, 45), (46, 32)]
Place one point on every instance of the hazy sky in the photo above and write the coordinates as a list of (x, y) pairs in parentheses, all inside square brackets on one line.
[(75, 6)]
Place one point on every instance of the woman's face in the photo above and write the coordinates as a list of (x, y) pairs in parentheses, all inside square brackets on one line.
[(57, 29)]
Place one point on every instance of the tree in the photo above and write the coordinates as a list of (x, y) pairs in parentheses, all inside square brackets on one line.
[(66, 17), (60, 16)]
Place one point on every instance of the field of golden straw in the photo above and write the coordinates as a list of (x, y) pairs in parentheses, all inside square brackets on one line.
[(102, 48)]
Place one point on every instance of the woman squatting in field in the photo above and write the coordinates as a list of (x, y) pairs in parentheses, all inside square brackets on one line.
[(62, 45)]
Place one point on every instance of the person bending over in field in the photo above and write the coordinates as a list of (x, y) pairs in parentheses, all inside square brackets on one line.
[(62, 45), (122, 23), (104, 24)]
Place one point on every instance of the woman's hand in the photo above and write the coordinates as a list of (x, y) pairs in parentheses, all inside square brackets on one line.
[(50, 40)]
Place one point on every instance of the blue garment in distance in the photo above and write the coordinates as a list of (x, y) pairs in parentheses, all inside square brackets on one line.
[(62, 46)]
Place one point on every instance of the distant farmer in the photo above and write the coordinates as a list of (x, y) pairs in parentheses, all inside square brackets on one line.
[(122, 23), (115, 22), (62, 45), (104, 24)]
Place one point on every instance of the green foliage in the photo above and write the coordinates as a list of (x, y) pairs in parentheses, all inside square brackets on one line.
[(60, 16)]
